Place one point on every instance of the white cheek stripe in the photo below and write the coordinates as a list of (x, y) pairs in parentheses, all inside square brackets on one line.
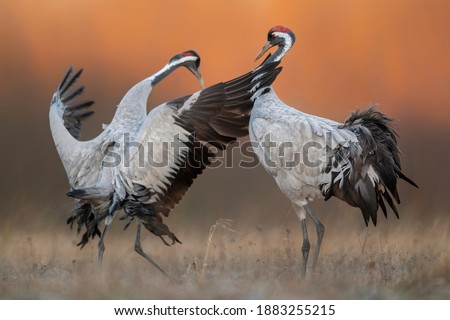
[(182, 60), (287, 42)]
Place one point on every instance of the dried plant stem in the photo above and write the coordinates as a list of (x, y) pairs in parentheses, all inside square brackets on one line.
[(222, 223)]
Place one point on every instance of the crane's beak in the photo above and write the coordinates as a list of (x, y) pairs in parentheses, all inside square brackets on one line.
[(199, 77), (266, 47)]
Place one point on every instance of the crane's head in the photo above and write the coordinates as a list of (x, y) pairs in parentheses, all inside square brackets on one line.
[(191, 60), (278, 36)]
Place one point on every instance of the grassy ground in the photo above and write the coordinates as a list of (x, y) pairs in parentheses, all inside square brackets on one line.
[(232, 262)]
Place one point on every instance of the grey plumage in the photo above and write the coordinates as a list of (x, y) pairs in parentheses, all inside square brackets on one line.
[(179, 132), (357, 161)]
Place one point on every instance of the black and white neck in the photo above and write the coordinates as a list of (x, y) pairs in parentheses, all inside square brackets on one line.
[(279, 36), (139, 93)]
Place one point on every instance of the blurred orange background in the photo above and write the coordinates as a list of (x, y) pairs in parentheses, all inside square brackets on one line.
[(347, 54)]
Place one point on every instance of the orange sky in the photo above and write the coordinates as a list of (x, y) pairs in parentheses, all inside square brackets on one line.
[(347, 54)]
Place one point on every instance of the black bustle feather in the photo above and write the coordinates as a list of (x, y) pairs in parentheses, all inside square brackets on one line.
[(378, 143)]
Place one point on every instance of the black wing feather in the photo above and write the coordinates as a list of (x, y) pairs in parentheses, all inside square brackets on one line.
[(211, 123), (73, 114)]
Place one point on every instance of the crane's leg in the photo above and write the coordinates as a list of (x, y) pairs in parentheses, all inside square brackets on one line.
[(101, 244), (301, 214), (320, 229), (138, 249)]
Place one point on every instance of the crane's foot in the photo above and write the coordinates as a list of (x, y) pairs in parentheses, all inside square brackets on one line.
[(140, 251)]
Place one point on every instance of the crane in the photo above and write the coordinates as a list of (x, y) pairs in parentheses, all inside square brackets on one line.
[(144, 163), (311, 157)]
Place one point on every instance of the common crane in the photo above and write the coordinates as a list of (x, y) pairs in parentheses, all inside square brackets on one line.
[(160, 154), (312, 157)]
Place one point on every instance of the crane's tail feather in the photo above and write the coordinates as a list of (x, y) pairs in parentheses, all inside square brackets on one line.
[(94, 205), (375, 169), (83, 216), (401, 175), (382, 155)]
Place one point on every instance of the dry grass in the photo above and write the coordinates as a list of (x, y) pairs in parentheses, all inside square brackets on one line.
[(232, 262)]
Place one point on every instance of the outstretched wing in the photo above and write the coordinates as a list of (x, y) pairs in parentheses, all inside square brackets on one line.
[(81, 159), (183, 132)]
